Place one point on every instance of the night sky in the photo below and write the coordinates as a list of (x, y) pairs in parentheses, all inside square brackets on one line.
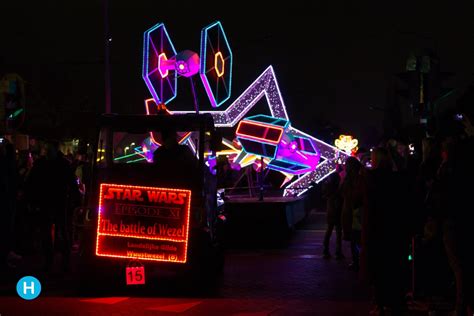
[(333, 59)]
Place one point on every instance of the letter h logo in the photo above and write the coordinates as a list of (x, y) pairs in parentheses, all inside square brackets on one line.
[(28, 288)]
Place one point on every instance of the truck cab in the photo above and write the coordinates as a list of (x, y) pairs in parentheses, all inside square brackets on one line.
[(152, 200)]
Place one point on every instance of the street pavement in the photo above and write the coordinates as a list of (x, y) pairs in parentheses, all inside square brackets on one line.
[(292, 279)]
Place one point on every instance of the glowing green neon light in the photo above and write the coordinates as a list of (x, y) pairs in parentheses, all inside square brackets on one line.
[(136, 160), (15, 114), (127, 156), (137, 152)]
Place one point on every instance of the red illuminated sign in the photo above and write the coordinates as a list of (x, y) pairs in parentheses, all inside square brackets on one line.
[(147, 223)]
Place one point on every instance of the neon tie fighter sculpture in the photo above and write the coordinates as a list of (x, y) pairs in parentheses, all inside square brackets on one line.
[(161, 69), (162, 64), (269, 137)]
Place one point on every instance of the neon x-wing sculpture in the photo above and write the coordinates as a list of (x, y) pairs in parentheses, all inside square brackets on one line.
[(269, 137), (292, 152)]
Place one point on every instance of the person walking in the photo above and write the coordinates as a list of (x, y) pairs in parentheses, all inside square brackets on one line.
[(332, 193), (387, 236), (352, 194)]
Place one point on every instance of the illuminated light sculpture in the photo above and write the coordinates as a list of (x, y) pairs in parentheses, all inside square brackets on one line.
[(288, 178), (326, 166), (221, 153), (257, 165), (148, 148), (143, 152), (216, 64), (152, 108), (158, 229), (238, 158), (137, 151), (347, 143), (137, 160), (270, 137), (157, 52), (187, 63), (265, 85), (211, 163), (261, 129)]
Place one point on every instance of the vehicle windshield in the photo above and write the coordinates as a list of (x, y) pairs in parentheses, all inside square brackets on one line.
[(133, 148), (140, 148)]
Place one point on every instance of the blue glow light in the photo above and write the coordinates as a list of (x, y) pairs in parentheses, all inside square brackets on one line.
[(162, 89), (226, 53)]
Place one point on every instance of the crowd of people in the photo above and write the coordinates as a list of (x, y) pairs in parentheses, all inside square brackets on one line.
[(379, 205), (39, 191), (399, 201)]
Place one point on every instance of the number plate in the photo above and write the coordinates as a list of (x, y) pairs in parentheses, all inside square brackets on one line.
[(135, 275)]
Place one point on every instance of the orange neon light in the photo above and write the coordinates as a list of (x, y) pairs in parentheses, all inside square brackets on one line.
[(250, 159), (217, 57), (148, 258), (230, 145), (222, 153), (184, 137), (162, 57), (263, 138), (142, 237), (135, 195), (151, 100)]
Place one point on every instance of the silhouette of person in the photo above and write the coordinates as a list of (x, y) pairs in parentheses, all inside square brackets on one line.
[(175, 164), (332, 193), (53, 190)]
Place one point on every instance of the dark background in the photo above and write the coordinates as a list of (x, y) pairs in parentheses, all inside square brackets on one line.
[(333, 59)]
